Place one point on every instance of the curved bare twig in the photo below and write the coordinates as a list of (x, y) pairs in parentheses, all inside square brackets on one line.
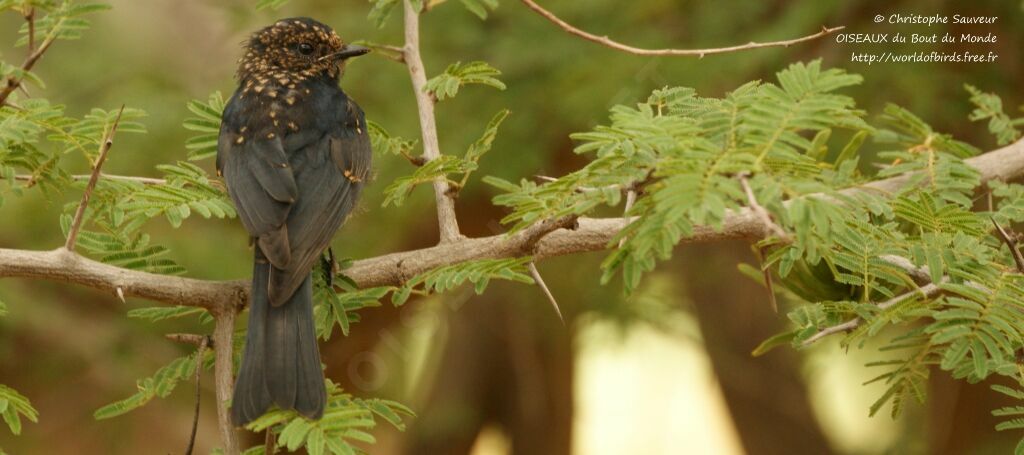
[(700, 53)]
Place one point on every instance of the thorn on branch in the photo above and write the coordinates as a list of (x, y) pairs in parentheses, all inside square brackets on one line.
[(768, 284), (532, 267), (700, 53), (105, 144)]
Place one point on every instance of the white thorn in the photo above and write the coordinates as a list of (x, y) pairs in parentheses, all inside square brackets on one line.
[(544, 287), (120, 294)]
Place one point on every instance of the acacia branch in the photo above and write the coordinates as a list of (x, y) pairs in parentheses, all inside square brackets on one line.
[(105, 144), (447, 222), (31, 179), (927, 291), (13, 82), (607, 42), (543, 240)]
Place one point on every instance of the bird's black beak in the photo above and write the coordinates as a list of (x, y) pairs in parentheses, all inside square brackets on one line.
[(351, 50)]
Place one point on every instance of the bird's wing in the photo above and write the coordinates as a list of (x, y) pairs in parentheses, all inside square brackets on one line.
[(331, 173), (261, 183)]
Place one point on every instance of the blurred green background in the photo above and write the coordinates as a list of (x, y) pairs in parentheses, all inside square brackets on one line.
[(666, 370)]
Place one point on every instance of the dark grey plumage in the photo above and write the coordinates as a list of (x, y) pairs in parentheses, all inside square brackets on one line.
[(295, 153)]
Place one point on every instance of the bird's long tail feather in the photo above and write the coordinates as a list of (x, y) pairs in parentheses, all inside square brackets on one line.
[(281, 362)]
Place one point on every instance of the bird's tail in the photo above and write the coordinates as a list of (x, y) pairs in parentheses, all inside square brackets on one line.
[(281, 363)]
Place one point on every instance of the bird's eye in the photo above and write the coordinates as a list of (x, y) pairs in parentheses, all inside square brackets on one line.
[(305, 49)]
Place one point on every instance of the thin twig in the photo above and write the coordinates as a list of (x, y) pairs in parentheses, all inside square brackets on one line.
[(108, 141), (544, 287), (14, 82), (1011, 243), (448, 224), (387, 51), (30, 17), (31, 179), (579, 189), (223, 331), (927, 291), (190, 338), (195, 415), (607, 42), (760, 211)]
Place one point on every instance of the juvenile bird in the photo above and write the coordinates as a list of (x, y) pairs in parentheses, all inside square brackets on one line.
[(295, 153)]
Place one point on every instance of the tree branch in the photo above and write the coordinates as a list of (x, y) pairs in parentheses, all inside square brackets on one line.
[(128, 178), (927, 291), (14, 82), (700, 53), (543, 240), (447, 222), (223, 331), (105, 144)]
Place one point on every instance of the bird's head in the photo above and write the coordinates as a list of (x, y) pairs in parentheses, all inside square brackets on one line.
[(295, 49)]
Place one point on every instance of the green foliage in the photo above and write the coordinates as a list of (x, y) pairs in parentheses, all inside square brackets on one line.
[(444, 166), (62, 20), (334, 307), (381, 11), (187, 188), (346, 420), (478, 272), (160, 313), (1014, 414), (936, 160), (447, 84), (161, 384), (22, 127), (207, 124), (383, 142), (480, 7), (906, 377), (271, 4), (14, 406), (990, 107)]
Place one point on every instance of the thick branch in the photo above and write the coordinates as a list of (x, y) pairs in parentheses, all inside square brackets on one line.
[(447, 222), (66, 266), (543, 240), (607, 42)]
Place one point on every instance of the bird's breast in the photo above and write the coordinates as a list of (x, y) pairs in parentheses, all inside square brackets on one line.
[(271, 108)]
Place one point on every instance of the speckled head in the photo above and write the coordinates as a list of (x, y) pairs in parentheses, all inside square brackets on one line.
[(295, 49)]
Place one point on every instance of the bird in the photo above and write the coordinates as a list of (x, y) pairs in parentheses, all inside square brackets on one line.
[(294, 152)]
